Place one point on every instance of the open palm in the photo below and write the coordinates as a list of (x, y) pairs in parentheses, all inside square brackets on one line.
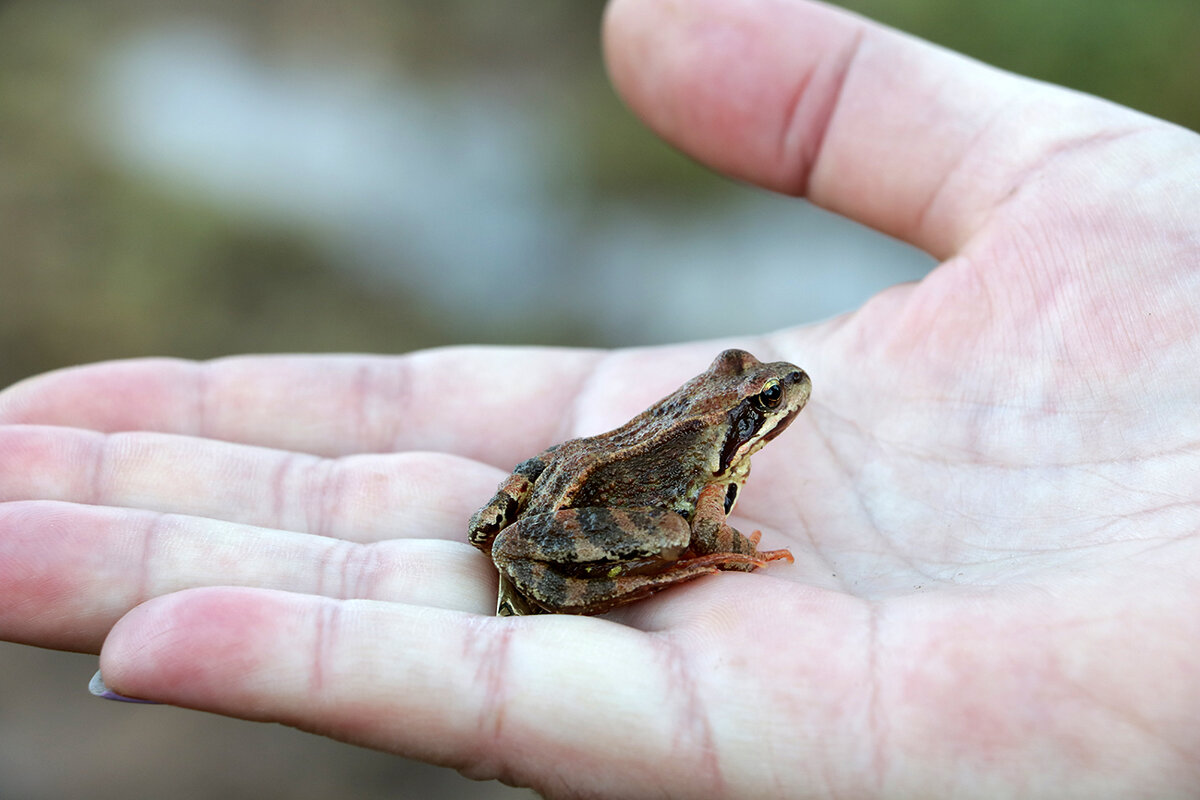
[(993, 497)]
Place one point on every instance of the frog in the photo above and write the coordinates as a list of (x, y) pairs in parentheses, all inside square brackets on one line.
[(597, 522)]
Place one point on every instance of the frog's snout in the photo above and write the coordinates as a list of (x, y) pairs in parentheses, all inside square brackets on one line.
[(799, 382)]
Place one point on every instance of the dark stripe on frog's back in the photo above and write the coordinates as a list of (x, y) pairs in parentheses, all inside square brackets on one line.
[(656, 470)]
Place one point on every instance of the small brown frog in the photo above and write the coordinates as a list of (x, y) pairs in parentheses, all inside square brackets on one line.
[(598, 522)]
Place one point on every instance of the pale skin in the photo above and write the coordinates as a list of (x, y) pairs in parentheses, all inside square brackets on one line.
[(993, 497)]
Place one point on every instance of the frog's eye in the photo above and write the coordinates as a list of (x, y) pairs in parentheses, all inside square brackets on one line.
[(771, 395)]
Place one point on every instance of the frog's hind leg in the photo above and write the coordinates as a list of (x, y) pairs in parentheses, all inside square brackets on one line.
[(588, 560), (617, 588)]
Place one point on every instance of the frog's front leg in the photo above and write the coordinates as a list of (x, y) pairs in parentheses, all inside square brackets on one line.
[(588, 560), (712, 534)]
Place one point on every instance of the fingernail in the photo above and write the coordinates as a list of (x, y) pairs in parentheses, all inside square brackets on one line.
[(97, 687)]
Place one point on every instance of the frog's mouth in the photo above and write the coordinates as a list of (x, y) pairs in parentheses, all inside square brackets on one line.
[(779, 428)]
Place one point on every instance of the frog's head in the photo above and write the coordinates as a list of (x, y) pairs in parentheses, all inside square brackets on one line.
[(761, 399)]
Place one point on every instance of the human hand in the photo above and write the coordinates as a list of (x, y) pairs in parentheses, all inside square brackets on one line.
[(992, 496)]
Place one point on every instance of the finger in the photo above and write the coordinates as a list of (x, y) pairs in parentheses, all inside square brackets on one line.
[(359, 498), (487, 404), (520, 699), (69, 571), (906, 137)]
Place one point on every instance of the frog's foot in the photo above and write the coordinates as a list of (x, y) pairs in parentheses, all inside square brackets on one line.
[(776, 555), (729, 542), (636, 586), (769, 555), (748, 562), (511, 603)]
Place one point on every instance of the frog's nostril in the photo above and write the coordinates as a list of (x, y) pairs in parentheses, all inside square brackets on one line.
[(795, 377)]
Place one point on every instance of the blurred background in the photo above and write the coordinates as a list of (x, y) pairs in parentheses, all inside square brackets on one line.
[(199, 179)]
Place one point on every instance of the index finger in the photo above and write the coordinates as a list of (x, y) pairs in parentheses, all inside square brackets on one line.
[(569, 705)]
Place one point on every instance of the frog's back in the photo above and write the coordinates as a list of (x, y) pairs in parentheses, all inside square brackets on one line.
[(651, 467)]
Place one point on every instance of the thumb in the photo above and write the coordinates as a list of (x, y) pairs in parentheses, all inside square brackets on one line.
[(906, 137)]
